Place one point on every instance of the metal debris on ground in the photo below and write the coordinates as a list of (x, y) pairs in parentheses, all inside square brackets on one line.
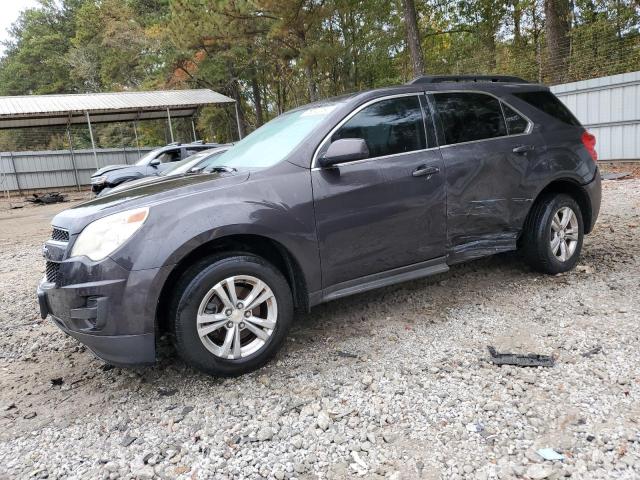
[(550, 454), (46, 199), (530, 360), (615, 176)]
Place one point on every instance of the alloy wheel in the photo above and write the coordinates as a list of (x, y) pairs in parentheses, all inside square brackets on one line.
[(237, 317), (564, 234)]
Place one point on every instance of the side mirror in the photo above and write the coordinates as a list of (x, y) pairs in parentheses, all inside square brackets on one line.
[(344, 150), (154, 163)]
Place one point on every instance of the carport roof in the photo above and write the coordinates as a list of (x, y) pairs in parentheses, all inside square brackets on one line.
[(45, 110)]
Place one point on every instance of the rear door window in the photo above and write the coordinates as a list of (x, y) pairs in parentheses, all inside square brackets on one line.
[(388, 127), (549, 104), (467, 117)]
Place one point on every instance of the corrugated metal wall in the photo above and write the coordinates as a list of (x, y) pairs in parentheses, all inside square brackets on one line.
[(609, 107), (58, 168)]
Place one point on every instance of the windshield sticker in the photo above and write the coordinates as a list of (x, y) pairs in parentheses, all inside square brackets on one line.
[(312, 112)]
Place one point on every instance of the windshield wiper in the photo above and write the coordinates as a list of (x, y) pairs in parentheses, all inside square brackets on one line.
[(222, 169)]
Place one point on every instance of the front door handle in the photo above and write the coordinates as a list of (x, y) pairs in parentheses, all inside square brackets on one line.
[(522, 149), (423, 170)]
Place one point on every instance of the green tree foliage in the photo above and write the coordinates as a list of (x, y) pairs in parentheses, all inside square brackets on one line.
[(273, 55)]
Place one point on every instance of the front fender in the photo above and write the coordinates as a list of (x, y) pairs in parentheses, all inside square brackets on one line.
[(278, 207)]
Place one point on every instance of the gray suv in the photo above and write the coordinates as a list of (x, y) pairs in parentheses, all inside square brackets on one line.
[(328, 200)]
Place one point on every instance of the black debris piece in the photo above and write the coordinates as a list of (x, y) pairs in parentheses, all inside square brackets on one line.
[(46, 199), (594, 351), (531, 360), (167, 392), (56, 382), (342, 353)]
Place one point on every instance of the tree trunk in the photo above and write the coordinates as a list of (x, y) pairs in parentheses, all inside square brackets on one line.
[(557, 27), (257, 99), (517, 23), (311, 82), (413, 37)]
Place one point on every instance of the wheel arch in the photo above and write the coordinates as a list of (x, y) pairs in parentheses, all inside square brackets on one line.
[(267, 248), (574, 190)]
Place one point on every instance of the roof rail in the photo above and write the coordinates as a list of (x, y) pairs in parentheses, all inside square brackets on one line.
[(466, 78)]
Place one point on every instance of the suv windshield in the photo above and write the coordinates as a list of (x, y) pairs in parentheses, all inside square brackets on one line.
[(275, 140), (149, 156)]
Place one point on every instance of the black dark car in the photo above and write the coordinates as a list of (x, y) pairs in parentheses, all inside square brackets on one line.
[(328, 200), (151, 164)]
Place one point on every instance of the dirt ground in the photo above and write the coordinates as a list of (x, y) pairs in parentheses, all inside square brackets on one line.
[(401, 375)]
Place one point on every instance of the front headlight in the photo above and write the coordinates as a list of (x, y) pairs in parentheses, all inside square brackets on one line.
[(99, 180), (102, 237)]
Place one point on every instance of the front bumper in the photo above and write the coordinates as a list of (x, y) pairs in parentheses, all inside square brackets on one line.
[(113, 316), (98, 187)]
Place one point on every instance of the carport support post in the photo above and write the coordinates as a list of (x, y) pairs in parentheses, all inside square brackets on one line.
[(170, 126), (238, 120), (5, 182), (73, 157), (93, 143), (15, 172), (135, 132), (193, 128)]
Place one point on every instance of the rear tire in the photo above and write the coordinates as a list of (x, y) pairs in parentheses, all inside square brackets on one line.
[(231, 314), (553, 234)]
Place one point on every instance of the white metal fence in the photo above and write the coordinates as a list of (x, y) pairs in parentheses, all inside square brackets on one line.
[(609, 107), (20, 171)]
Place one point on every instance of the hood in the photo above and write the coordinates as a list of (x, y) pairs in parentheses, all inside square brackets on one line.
[(107, 169), (147, 194), (135, 183)]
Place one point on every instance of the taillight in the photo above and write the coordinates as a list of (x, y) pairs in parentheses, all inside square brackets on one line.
[(589, 142)]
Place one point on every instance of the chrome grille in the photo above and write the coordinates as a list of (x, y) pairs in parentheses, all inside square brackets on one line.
[(59, 235), (52, 271)]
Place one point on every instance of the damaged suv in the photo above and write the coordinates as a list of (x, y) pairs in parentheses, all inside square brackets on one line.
[(328, 200)]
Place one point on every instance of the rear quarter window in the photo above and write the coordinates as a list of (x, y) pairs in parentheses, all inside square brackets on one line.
[(549, 104)]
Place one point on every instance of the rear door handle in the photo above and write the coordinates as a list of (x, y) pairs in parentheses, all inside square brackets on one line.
[(423, 170), (523, 149)]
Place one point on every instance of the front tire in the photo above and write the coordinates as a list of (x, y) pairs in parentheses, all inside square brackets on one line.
[(231, 314), (553, 234)]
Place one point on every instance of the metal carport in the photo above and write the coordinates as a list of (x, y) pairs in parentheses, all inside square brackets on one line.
[(32, 111), (47, 110)]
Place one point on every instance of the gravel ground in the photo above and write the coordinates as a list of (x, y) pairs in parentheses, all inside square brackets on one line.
[(393, 383)]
